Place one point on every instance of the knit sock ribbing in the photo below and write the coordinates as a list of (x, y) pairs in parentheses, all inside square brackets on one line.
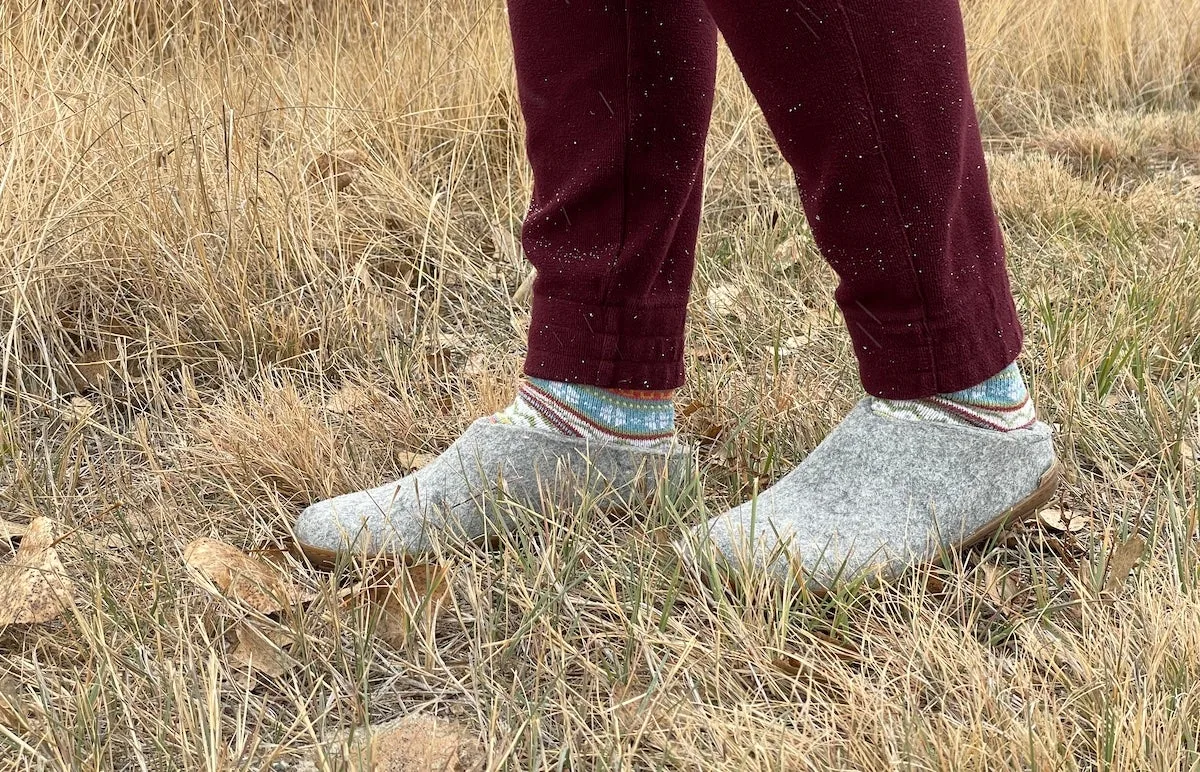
[(1001, 403), (644, 419)]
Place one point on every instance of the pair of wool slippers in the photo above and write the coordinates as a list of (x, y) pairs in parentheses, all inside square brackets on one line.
[(880, 494)]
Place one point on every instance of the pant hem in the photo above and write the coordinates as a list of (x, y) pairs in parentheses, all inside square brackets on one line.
[(607, 346), (947, 353)]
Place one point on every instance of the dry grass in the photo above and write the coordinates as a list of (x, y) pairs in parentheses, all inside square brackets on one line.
[(172, 255)]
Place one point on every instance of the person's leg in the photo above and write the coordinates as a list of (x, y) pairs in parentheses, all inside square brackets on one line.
[(870, 103), (617, 103), (616, 96)]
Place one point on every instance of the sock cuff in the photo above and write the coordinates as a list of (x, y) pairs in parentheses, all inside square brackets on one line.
[(644, 419), (633, 399), (1001, 403), (1005, 389)]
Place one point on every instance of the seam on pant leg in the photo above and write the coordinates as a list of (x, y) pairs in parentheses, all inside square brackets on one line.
[(610, 349), (891, 183)]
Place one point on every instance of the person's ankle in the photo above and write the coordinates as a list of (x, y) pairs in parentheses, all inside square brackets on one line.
[(638, 418), (1001, 403)]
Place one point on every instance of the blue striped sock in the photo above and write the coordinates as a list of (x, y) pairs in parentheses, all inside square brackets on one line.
[(639, 418), (1001, 403)]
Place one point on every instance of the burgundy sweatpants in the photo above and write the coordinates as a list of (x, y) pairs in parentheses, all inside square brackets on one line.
[(870, 103)]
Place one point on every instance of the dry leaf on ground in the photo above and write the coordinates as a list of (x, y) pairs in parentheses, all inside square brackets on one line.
[(1000, 586), (415, 743), (1122, 561), (412, 591), (506, 247), (788, 253), (1064, 519), (11, 714), (263, 649), (410, 460), (79, 409), (17, 714), (418, 591), (524, 292), (241, 577), (338, 169), (728, 300), (349, 398), (94, 368), (1053, 517), (477, 367), (362, 275), (34, 586), (1188, 457)]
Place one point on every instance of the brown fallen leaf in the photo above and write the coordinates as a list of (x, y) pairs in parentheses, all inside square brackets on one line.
[(419, 590), (789, 664), (1001, 587), (1068, 369), (1053, 518), (1078, 522), (400, 597), (338, 169), (454, 342), (524, 292), (710, 428), (94, 368), (34, 586), (728, 300), (240, 577), (348, 399), (477, 368), (704, 353), (1188, 458), (1123, 560), (506, 247), (21, 715), (411, 461), (362, 275), (79, 409), (263, 648), (12, 715), (413, 743), (789, 253), (425, 743)]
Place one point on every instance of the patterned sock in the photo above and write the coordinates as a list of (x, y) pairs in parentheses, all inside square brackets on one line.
[(1001, 402), (645, 419)]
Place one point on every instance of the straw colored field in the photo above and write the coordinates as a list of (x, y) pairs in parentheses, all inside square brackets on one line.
[(254, 254)]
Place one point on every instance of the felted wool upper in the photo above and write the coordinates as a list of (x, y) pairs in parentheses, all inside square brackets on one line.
[(879, 494), (463, 487)]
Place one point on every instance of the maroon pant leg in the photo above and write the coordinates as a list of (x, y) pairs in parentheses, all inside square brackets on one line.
[(616, 96), (870, 103)]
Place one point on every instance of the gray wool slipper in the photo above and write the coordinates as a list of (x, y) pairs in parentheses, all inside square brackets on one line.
[(473, 485), (881, 494)]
